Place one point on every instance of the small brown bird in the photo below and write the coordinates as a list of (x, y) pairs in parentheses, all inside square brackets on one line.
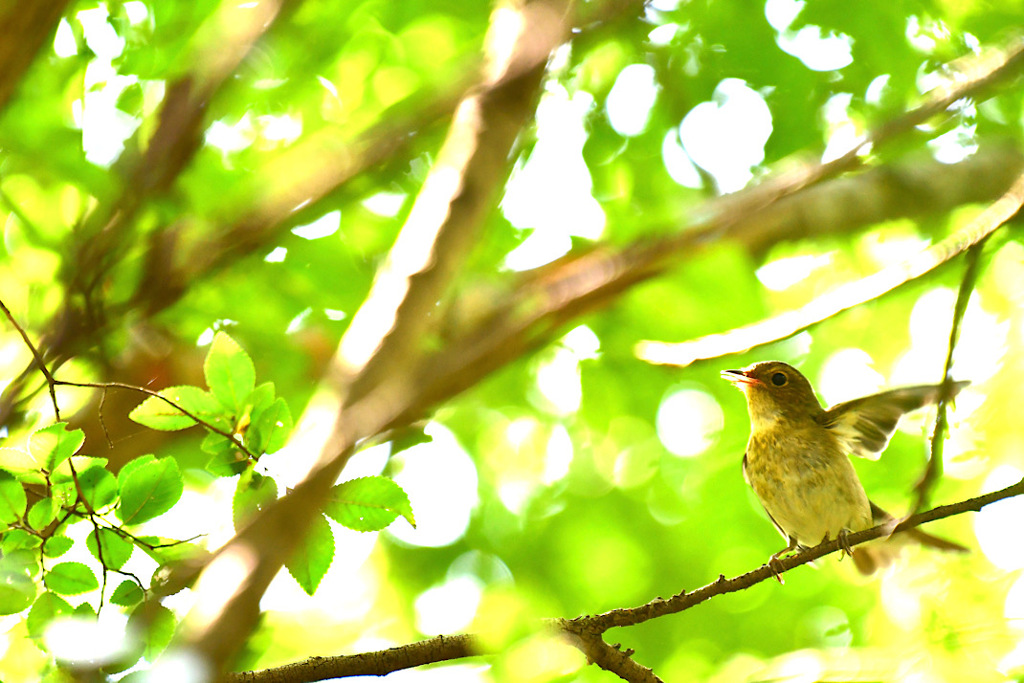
[(797, 464)]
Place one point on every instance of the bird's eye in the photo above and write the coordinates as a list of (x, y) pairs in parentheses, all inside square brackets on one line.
[(779, 379)]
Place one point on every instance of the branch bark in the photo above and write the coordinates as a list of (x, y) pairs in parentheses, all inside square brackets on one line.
[(586, 631)]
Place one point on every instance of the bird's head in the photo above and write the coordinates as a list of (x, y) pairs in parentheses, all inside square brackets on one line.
[(775, 391)]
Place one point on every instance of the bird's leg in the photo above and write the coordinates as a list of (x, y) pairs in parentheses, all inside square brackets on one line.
[(775, 565), (844, 544)]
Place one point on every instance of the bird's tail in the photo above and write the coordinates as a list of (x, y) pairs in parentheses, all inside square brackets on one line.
[(871, 557)]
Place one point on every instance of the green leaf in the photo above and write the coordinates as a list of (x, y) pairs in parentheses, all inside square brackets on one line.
[(56, 546), (116, 550), (42, 513), (226, 459), (149, 489), (368, 504), (47, 607), (82, 463), (24, 561), (22, 465), (17, 590), (50, 446), (16, 539), (270, 428), (127, 594), (157, 413), (71, 578), (407, 437), (313, 558), (154, 628), (261, 397), (230, 373), (99, 487), (253, 494), (12, 498)]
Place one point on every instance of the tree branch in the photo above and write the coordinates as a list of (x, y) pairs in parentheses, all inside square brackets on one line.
[(586, 631), (933, 470), (385, 339), (853, 294)]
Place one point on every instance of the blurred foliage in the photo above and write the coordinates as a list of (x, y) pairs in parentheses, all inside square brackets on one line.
[(575, 480)]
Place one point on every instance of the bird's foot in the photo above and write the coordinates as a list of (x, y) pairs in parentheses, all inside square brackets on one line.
[(775, 561), (844, 544)]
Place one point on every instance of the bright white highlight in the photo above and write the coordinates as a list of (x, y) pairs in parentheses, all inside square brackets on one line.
[(441, 481), (552, 192), (631, 99), (689, 421), (726, 137), (324, 226)]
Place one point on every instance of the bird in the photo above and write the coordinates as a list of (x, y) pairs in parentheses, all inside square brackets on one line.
[(797, 460)]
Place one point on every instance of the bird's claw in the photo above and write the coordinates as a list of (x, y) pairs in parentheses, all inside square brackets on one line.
[(844, 543)]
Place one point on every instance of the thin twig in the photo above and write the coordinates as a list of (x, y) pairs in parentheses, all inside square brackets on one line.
[(50, 382), (933, 471), (155, 394)]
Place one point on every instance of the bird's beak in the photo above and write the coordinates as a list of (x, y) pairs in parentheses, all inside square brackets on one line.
[(740, 378)]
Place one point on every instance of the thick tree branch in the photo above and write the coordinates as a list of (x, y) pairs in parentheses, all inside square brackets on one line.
[(388, 328), (586, 631), (24, 30), (843, 298)]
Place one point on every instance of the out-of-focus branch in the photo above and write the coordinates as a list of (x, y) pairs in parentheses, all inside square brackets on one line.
[(98, 244), (384, 338), (24, 29), (585, 632), (845, 297), (933, 470)]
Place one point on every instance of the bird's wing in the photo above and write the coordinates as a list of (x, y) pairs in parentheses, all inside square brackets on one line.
[(865, 425)]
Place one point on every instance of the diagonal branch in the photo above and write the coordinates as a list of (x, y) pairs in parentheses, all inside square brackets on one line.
[(586, 631), (843, 298), (388, 327), (24, 30)]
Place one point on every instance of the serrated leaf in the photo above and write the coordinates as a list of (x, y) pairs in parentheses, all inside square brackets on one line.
[(16, 539), (116, 550), (270, 427), (154, 628), (98, 487), (157, 413), (149, 490), (71, 578), (127, 594), (42, 513), (17, 591), (229, 372), (52, 445), (22, 465), (83, 463), (313, 558), (47, 607), (368, 504), (261, 397), (56, 546), (24, 561), (253, 493), (12, 498), (226, 459)]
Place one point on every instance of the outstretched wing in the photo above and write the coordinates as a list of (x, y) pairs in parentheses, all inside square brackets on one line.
[(865, 425)]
